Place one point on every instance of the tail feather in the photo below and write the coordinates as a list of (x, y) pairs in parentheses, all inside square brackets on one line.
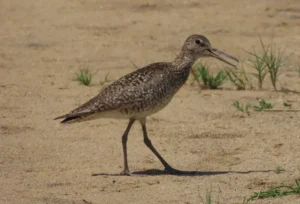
[(73, 116), (69, 119), (60, 117)]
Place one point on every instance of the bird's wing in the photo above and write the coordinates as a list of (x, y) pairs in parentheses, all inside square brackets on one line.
[(128, 89)]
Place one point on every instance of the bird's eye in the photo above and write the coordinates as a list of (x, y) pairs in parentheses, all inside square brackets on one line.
[(198, 41)]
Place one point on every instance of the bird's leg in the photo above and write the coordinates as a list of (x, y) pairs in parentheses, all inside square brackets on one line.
[(148, 143), (124, 141)]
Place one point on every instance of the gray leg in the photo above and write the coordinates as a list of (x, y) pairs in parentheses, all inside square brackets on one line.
[(148, 143), (124, 141)]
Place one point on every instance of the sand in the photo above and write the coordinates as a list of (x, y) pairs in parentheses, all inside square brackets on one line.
[(44, 43)]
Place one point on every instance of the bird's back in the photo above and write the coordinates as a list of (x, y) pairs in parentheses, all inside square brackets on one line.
[(135, 95)]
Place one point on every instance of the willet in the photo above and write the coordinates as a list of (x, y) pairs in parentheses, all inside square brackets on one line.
[(146, 91)]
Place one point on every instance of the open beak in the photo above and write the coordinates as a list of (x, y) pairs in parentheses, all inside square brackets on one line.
[(217, 54)]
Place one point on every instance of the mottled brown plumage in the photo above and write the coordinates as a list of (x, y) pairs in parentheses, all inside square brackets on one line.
[(145, 91)]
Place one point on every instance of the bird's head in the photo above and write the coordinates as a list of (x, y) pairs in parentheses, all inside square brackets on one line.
[(199, 46)]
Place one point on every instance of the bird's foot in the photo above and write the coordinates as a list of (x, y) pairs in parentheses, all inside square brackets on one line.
[(126, 172), (171, 170)]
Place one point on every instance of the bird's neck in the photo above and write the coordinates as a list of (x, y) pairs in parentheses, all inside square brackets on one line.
[(184, 61)]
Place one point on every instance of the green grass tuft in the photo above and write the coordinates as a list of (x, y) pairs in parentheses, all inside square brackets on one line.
[(84, 76), (241, 107), (258, 63), (278, 170), (273, 60), (236, 79), (239, 78), (208, 199), (277, 192), (106, 80), (210, 81), (263, 105), (287, 105)]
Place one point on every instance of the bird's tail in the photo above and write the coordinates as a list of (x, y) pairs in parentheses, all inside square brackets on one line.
[(74, 117)]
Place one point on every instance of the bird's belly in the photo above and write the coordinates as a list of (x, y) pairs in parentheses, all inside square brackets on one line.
[(136, 111)]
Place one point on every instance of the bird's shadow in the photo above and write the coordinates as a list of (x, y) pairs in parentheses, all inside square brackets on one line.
[(157, 172)]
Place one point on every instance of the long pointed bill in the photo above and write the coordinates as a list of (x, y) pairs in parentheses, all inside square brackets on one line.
[(217, 54)]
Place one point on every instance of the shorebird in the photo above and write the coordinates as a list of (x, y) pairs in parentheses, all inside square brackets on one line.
[(146, 91)]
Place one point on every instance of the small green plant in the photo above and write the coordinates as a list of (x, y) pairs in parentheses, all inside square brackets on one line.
[(84, 76), (236, 79), (106, 80), (242, 107), (263, 105), (240, 79), (258, 63), (208, 199), (273, 60), (277, 192), (287, 105), (278, 170), (196, 77), (210, 81)]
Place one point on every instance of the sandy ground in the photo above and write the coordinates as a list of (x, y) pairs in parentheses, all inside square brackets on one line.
[(44, 43)]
